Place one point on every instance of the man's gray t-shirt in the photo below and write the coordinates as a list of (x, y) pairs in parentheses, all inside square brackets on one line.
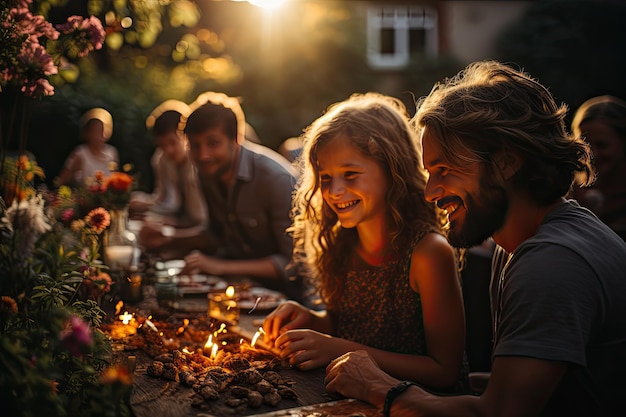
[(250, 219), (562, 297)]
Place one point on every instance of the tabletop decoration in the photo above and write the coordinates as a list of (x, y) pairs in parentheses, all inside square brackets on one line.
[(113, 192), (226, 374)]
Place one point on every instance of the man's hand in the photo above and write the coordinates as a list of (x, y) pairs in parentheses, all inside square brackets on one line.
[(356, 375)]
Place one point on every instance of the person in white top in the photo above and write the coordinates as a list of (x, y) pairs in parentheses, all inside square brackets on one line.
[(176, 199), (95, 154)]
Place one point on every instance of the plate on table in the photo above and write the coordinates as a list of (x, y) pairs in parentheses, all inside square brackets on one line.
[(267, 299), (171, 267), (197, 283)]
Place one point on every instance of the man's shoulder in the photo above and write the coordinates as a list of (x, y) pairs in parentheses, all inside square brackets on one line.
[(572, 226), (573, 236), (260, 157)]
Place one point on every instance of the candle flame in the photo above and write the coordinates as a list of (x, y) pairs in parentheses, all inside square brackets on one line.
[(230, 291), (126, 317), (209, 342), (256, 336), (213, 347), (118, 307)]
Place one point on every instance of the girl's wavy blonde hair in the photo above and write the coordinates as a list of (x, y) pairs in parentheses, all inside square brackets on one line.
[(378, 126)]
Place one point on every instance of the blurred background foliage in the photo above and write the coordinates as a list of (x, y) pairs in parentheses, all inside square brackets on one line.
[(288, 65)]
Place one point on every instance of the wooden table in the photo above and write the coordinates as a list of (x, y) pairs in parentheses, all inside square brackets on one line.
[(155, 397)]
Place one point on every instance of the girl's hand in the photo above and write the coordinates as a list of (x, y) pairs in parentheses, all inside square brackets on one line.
[(150, 236), (287, 316), (308, 349)]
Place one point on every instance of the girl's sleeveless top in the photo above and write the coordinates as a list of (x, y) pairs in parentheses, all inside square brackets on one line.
[(379, 309)]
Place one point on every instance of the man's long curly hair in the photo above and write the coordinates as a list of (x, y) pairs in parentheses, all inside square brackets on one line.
[(378, 126), (491, 108)]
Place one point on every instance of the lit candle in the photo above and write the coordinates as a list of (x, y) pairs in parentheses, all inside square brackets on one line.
[(223, 306), (256, 336), (126, 326), (126, 317), (210, 348), (118, 256)]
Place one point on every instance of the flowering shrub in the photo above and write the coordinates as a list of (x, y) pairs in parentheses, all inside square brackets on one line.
[(53, 358), (18, 176)]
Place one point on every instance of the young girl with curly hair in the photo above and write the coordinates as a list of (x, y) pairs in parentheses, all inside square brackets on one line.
[(375, 248)]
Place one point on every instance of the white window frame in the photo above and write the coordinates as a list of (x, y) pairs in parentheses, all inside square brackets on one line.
[(401, 19)]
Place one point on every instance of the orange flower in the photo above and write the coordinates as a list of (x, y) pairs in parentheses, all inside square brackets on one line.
[(116, 374), (99, 176), (8, 304), (98, 219), (102, 282), (119, 181)]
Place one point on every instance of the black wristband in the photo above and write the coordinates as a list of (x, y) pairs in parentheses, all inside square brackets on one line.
[(393, 393)]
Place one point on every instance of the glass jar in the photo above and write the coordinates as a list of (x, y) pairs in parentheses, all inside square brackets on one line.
[(119, 242)]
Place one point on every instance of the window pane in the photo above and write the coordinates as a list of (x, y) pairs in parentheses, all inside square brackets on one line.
[(387, 41), (417, 41)]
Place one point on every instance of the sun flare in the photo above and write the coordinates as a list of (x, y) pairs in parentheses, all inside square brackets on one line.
[(267, 4)]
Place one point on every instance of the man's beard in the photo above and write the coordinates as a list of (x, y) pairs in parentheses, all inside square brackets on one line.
[(481, 220), (216, 171)]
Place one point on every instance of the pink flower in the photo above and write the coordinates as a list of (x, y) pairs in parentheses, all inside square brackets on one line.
[(76, 337), (87, 34), (36, 64), (34, 26), (24, 60), (67, 215)]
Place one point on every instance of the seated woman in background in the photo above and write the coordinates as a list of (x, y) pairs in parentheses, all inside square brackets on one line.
[(95, 129), (176, 198), (602, 122), (376, 250)]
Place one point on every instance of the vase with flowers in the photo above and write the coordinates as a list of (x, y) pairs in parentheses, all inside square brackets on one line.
[(113, 192)]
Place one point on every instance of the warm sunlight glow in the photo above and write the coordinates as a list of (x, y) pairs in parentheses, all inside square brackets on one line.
[(266, 4)]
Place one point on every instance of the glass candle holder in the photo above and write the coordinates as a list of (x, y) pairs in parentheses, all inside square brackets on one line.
[(166, 291), (223, 308)]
